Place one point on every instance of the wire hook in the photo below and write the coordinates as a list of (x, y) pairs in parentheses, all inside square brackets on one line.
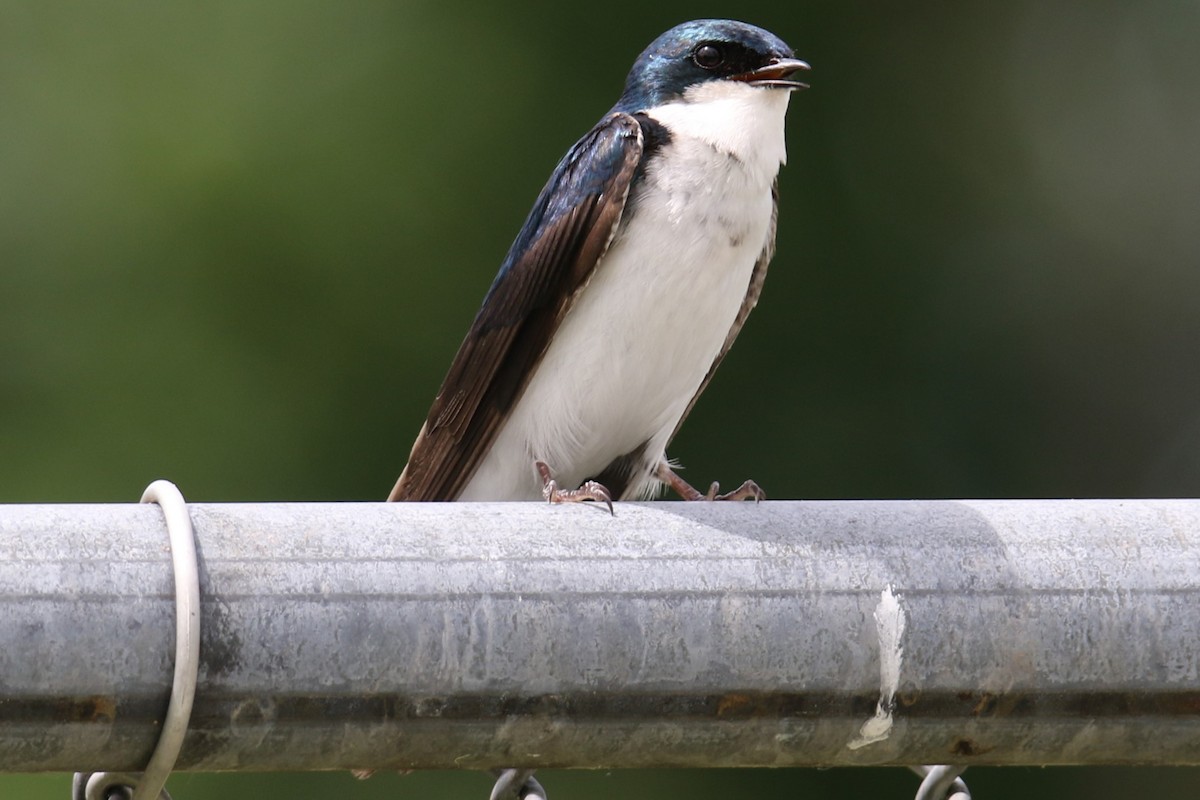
[(149, 784), (517, 783), (942, 782)]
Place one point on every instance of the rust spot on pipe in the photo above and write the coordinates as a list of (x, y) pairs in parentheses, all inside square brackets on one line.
[(968, 747)]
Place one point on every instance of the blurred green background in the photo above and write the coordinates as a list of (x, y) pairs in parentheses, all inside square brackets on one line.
[(240, 242)]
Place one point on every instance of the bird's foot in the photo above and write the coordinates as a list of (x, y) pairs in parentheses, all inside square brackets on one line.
[(590, 490), (747, 491)]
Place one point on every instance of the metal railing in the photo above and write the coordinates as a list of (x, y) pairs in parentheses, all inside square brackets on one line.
[(399, 636)]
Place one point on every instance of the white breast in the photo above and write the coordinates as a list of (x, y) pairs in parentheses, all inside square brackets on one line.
[(633, 350)]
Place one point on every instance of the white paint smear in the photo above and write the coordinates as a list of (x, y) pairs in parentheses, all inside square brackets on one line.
[(889, 623)]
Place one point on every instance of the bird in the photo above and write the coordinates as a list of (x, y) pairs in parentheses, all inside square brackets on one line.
[(625, 287)]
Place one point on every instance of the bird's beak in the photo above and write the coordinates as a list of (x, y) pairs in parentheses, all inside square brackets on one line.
[(777, 74)]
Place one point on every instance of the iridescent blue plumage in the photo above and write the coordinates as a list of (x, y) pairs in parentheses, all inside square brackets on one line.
[(663, 72)]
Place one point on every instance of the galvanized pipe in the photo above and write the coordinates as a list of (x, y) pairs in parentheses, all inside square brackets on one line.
[(673, 634)]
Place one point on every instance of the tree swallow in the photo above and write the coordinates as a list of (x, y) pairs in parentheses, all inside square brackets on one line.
[(628, 283)]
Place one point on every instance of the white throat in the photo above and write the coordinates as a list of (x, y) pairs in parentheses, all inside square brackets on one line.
[(741, 120)]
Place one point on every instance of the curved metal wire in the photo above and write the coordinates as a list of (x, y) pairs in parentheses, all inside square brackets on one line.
[(149, 784), (942, 782), (107, 786), (517, 784)]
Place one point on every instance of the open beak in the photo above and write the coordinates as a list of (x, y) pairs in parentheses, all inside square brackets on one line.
[(777, 74)]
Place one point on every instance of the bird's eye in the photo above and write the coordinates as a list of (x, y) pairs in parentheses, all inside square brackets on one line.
[(708, 56)]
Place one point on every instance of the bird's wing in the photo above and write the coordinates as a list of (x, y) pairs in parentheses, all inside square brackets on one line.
[(753, 290), (565, 235)]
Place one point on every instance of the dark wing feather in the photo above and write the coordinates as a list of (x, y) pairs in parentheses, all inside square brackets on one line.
[(566, 234), (753, 290)]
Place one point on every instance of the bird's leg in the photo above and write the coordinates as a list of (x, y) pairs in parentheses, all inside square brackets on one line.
[(747, 491), (590, 490)]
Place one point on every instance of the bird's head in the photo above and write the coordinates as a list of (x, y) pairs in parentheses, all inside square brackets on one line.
[(704, 51)]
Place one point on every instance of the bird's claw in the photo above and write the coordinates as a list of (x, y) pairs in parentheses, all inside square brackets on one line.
[(747, 491), (590, 490)]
